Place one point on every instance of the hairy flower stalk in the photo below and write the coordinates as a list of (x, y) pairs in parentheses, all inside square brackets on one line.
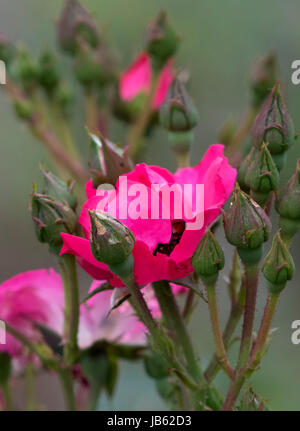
[(208, 260)]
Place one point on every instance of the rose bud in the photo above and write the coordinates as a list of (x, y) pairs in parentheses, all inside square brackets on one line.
[(278, 266), (274, 126), (262, 175), (48, 73), (27, 70), (162, 41), (208, 258), (111, 242), (51, 218), (75, 23), (246, 226), (58, 189), (243, 170), (263, 78), (288, 205), (64, 97), (179, 115)]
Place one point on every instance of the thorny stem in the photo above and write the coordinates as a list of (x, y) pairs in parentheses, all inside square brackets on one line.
[(221, 352)]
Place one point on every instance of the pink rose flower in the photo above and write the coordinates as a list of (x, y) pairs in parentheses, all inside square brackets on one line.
[(29, 297), (156, 255), (137, 79), (37, 297)]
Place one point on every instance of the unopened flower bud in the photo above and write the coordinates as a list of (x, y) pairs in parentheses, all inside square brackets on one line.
[(262, 176), (94, 66), (111, 241), (58, 189), (243, 170), (48, 73), (75, 23), (64, 97), (274, 126), (179, 115), (278, 266), (51, 218), (246, 226), (108, 161), (208, 258), (263, 78), (178, 112), (162, 40), (288, 204)]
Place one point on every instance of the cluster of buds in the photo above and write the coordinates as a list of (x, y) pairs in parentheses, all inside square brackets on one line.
[(288, 206), (274, 126), (78, 35), (53, 211), (246, 226)]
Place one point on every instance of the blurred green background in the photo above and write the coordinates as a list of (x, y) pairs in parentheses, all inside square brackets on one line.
[(221, 40)]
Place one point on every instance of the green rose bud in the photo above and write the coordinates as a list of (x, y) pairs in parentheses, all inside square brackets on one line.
[(208, 258), (278, 266), (75, 23), (48, 74), (178, 112), (246, 226), (27, 70), (262, 175), (162, 41), (243, 170), (51, 218), (111, 241), (288, 205), (274, 126), (24, 109)]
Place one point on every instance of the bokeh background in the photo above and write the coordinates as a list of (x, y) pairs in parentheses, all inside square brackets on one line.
[(221, 40)]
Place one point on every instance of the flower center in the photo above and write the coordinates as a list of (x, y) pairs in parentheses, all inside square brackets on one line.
[(178, 227)]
